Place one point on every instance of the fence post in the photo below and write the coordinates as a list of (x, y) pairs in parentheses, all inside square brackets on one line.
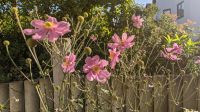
[(46, 88), (117, 93), (175, 93), (91, 96), (190, 92), (145, 91), (16, 96), (4, 96), (160, 93), (32, 102), (58, 75), (132, 96)]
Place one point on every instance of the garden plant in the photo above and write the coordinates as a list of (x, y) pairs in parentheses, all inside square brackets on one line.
[(113, 53)]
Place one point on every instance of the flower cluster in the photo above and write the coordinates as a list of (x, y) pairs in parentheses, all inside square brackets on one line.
[(172, 53), (137, 21), (118, 46), (94, 67)]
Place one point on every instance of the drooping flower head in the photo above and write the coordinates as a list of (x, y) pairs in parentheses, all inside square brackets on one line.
[(50, 29), (114, 57), (137, 21), (69, 63), (172, 53), (122, 44), (95, 69)]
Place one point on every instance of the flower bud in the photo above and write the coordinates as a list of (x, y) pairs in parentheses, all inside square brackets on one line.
[(6, 42), (46, 16), (14, 10), (31, 43), (87, 50), (86, 32), (81, 19), (28, 60), (85, 14)]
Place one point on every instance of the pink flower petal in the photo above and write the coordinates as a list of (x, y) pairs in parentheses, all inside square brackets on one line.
[(29, 31), (52, 19), (37, 24)]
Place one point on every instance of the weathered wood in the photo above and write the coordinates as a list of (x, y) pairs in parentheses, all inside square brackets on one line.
[(190, 92), (17, 96), (62, 48), (91, 96), (117, 94), (175, 94), (75, 95), (104, 98), (32, 102), (132, 96), (145, 91), (160, 94), (46, 89), (4, 96)]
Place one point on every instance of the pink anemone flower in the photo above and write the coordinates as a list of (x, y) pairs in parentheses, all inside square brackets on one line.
[(95, 69), (172, 53), (137, 21), (114, 57), (50, 29), (198, 60), (122, 44), (69, 63)]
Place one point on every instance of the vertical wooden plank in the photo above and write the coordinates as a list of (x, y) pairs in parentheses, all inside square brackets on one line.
[(160, 93), (175, 94), (117, 93), (75, 95), (104, 98), (46, 89), (4, 96), (62, 48), (190, 92), (90, 96), (132, 96), (16, 96), (146, 98), (32, 102)]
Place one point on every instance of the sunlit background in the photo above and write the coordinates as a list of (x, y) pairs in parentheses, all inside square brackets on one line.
[(143, 2)]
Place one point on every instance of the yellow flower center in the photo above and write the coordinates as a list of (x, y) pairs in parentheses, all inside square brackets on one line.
[(66, 63), (112, 55), (48, 25), (96, 69)]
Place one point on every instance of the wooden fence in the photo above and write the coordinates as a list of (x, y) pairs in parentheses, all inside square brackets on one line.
[(149, 94)]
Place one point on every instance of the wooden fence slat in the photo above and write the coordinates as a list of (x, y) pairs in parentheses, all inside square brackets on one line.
[(132, 96), (47, 94), (175, 94), (90, 96), (118, 94), (75, 96), (4, 96), (104, 98), (160, 94), (16, 96), (146, 99), (190, 93), (32, 102)]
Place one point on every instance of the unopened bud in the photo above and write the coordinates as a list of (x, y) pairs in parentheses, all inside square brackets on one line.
[(28, 60), (86, 32), (6, 42), (87, 50), (85, 14), (81, 19)]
